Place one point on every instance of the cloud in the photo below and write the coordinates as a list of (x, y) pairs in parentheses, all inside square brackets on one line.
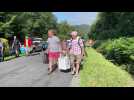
[(76, 18)]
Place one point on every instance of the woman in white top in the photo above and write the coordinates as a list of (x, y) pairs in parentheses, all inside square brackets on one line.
[(54, 49)]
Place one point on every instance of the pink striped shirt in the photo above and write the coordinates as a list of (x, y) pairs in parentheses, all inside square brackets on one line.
[(75, 48)]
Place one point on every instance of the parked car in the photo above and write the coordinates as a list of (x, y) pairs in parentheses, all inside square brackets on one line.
[(37, 44), (44, 45)]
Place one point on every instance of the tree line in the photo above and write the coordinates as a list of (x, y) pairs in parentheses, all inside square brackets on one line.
[(113, 25), (114, 35), (37, 23)]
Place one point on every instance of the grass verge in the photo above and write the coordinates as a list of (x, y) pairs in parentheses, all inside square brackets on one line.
[(99, 72), (12, 57)]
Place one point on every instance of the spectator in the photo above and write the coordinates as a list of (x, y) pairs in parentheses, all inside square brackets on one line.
[(1, 51), (16, 46), (28, 45)]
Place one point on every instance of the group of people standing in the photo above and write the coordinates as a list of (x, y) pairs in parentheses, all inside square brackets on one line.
[(16, 47), (74, 48)]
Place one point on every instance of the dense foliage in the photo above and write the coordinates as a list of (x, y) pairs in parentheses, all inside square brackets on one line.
[(113, 25), (119, 51), (27, 22), (35, 23), (114, 35), (6, 46), (64, 30), (99, 72)]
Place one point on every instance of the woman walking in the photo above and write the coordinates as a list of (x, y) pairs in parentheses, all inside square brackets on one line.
[(54, 49)]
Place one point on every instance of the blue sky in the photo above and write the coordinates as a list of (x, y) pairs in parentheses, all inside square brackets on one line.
[(76, 18)]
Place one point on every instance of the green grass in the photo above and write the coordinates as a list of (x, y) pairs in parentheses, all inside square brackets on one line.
[(99, 72), (12, 57), (9, 58)]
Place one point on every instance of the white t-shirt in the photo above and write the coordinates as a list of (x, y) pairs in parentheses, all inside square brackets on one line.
[(54, 44)]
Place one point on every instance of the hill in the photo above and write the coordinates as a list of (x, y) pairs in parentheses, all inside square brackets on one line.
[(84, 28)]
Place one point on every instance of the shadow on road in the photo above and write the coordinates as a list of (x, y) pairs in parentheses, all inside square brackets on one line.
[(66, 71), (34, 54)]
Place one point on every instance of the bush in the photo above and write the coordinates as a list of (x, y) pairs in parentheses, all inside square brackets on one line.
[(99, 72), (6, 46), (97, 43), (119, 51)]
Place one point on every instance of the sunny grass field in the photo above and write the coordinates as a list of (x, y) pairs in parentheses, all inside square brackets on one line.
[(99, 72)]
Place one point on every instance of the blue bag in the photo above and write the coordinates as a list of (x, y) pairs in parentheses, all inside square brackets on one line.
[(22, 50)]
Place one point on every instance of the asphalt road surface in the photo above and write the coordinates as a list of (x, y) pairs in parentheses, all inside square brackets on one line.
[(31, 72)]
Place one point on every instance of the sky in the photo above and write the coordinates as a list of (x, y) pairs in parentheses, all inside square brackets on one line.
[(76, 18)]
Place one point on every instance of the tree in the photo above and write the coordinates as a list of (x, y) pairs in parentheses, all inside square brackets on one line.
[(22, 23), (8, 19), (47, 21), (113, 25), (64, 29)]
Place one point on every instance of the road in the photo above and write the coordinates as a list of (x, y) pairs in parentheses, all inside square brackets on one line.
[(31, 72)]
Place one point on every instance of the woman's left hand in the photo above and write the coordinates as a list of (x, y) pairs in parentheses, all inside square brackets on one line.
[(46, 51)]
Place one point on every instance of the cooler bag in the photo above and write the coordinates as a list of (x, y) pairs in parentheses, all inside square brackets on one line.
[(23, 51), (64, 63)]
